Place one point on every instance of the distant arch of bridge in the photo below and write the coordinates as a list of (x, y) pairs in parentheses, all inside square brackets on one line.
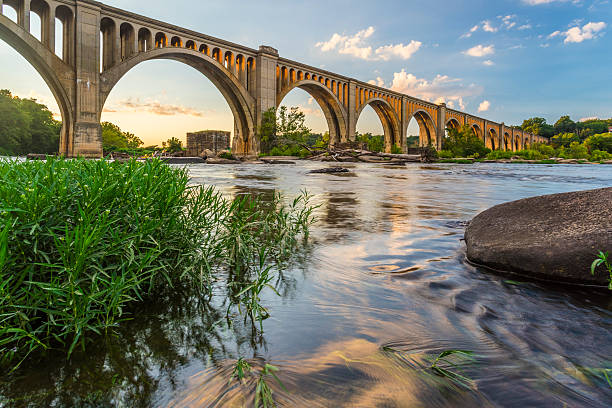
[(100, 44)]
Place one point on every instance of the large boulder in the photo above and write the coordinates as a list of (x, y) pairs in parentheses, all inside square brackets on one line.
[(554, 237)]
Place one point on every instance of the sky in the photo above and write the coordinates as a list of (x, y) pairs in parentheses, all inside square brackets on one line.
[(506, 60)]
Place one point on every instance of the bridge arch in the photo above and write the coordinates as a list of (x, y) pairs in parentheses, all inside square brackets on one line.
[(477, 131), (58, 75), (334, 112), (507, 142), (388, 118), (492, 141), (240, 102), (427, 128), (453, 123), (517, 143)]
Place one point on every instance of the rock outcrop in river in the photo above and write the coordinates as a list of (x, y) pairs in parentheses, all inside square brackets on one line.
[(554, 237)]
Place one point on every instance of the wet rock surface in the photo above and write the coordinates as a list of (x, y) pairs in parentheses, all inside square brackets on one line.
[(329, 170), (183, 160), (554, 237)]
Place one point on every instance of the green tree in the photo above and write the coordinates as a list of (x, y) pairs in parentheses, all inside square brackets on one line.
[(114, 138), (592, 127), (576, 151), (26, 126), (173, 145), (284, 129), (267, 130), (601, 142), (565, 125), (13, 125), (463, 142), (44, 131), (375, 143), (413, 141), (538, 126), (564, 139)]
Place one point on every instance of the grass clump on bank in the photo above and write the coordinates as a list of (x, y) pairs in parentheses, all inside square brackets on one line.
[(82, 241)]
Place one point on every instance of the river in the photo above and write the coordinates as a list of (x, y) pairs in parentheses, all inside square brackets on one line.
[(382, 285)]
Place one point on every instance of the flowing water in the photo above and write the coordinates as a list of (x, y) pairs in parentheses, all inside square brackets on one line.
[(382, 286)]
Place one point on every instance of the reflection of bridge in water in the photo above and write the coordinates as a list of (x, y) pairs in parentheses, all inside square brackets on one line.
[(100, 44)]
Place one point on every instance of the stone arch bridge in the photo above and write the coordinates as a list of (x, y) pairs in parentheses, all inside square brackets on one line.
[(100, 44)]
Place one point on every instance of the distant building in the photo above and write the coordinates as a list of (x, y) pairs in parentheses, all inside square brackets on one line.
[(214, 140)]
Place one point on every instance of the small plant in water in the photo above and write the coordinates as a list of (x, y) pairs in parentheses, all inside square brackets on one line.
[(603, 259), (451, 375), (241, 369), (263, 392)]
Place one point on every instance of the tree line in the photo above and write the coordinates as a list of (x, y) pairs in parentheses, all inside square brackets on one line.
[(27, 126), (565, 130)]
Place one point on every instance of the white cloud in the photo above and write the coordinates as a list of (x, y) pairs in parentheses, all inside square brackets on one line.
[(579, 34), (508, 21), (440, 89), (489, 63), (587, 32), (486, 25), (378, 82), (356, 46), (484, 106), (154, 107), (480, 51), (524, 27), (472, 31), (400, 51)]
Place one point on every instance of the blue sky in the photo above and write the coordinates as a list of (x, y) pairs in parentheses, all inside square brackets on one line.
[(505, 60)]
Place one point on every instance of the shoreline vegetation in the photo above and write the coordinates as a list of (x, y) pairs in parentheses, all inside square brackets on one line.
[(29, 127), (83, 242)]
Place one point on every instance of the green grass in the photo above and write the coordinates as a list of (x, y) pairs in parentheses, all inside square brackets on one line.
[(603, 259), (442, 364), (81, 242), (447, 365), (263, 393)]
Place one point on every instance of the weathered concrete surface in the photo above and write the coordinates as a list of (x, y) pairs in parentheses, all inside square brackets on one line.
[(553, 237)]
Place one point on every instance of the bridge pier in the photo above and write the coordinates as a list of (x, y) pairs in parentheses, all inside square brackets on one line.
[(441, 126), (87, 134)]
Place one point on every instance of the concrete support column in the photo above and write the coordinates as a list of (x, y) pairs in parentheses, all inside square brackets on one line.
[(87, 136), (50, 30), (441, 125), (23, 14), (352, 110), (265, 97), (117, 45), (485, 132), (134, 41)]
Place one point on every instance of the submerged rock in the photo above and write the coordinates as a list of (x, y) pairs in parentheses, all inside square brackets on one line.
[(329, 170), (554, 237), (183, 160), (275, 161), (218, 160)]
